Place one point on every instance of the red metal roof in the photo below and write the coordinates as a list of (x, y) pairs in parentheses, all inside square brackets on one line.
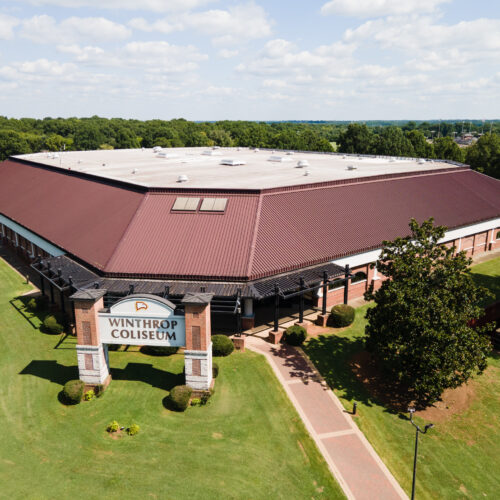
[(83, 217), (198, 244), (305, 227), (124, 232)]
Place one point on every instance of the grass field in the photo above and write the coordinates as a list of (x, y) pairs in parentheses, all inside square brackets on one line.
[(460, 457), (247, 443)]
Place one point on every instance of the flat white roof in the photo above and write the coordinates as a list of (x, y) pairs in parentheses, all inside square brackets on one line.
[(252, 169)]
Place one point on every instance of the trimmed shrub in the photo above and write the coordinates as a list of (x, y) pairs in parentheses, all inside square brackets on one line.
[(215, 370), (157, 350), (196, 402), (73, 391), (295, 335), (133, 430), (179, 397), (51, 325), (205, 397), (89, 395), (113, 426), (341, 315), (222, 345), (32, 305)]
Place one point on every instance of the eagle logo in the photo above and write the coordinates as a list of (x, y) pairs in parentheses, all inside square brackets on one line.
[(139, 306)]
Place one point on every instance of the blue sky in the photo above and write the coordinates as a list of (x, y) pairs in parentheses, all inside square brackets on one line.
[(256, 60)]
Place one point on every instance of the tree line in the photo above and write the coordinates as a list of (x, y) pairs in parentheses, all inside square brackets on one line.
[(412, 139)]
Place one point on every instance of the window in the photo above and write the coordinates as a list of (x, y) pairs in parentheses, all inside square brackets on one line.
[(186, 204), (498, 235), (336, 283), (359, 276), (213, 205)]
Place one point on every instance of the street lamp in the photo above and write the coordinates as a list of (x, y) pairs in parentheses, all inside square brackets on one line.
[(418, 430)]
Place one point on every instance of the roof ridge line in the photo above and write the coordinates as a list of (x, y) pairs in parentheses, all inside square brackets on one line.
[(362, 180), (254, 237), (126, 230)]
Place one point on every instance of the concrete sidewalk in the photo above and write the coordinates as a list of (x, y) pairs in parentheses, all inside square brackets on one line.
[(354, 463)]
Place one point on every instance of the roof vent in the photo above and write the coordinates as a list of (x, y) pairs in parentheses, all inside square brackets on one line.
[(302, 164), (307, 172), (232, 162), (421, 161), (182, 178), (211, 152), (156, 149), (256, 150), (135, 171), (344, 157), (351, 167), (278, 159), (164, 154), (392, 160), (289, 153)]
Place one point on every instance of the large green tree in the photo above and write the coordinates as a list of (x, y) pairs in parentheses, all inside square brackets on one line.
[(419, 330), (358, 138), (484, 156)]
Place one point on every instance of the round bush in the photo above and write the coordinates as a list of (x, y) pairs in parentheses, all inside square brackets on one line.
[(133, 430), (157, 350), (113, 426), (341, 315), (179, 397), (52, 325), (295, 335), (215, 370), (222, 345), (73, 391)]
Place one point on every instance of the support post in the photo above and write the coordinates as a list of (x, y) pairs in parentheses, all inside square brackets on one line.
[(301, 301), (93, 364), (325, 292), (42, 284), (248, 318), (63, 305), (276, 306), (198, 352), (346, 283), (52, 301)]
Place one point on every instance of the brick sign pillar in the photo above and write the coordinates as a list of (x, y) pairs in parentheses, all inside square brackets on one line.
[(198, 352), (93, 363)]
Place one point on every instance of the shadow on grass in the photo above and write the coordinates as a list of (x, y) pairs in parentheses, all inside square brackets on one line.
[(19, 304), (50, 370), (331, 355), (54, 372), (492, 283), (143, 372)]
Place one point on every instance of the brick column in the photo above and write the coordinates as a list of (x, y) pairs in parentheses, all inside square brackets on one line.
[(93, 363), (248, 318), (198, 352)]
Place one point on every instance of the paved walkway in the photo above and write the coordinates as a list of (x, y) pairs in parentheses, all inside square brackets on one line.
[(358, 469)]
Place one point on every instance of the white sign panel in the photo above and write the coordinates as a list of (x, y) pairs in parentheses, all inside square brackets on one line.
[(142, 320)]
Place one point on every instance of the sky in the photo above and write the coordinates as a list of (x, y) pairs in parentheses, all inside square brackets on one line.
[(251, 60)]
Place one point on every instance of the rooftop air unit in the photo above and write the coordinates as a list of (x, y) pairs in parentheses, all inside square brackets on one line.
[(156, 149), (351, 167), (302, 164), (232, 162), (211, 152), (278, 159), (182, 178)]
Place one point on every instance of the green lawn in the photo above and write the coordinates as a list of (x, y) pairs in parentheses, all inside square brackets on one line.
[(247, 443), (459, 458), (487, 274)]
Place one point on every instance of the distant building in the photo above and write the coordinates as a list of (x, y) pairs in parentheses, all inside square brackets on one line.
[(241, 224)]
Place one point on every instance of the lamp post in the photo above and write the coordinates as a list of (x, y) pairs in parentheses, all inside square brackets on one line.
[(417, 431)]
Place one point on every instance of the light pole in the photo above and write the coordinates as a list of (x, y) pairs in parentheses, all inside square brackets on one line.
[(417, 431)]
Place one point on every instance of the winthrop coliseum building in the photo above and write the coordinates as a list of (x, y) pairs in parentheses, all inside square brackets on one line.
[(251, 227)]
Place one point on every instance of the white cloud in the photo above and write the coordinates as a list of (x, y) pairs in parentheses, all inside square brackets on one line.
[(7, 25), (379, 8), (83, 54), (227, 53), (237, 24), (45, 29), (149, 5), (38, 70), (162, 57)]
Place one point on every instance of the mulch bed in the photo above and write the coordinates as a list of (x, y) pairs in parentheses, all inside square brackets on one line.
[(393, 396)]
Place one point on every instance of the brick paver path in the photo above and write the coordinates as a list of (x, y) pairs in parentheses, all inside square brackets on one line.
[(358, 469)]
